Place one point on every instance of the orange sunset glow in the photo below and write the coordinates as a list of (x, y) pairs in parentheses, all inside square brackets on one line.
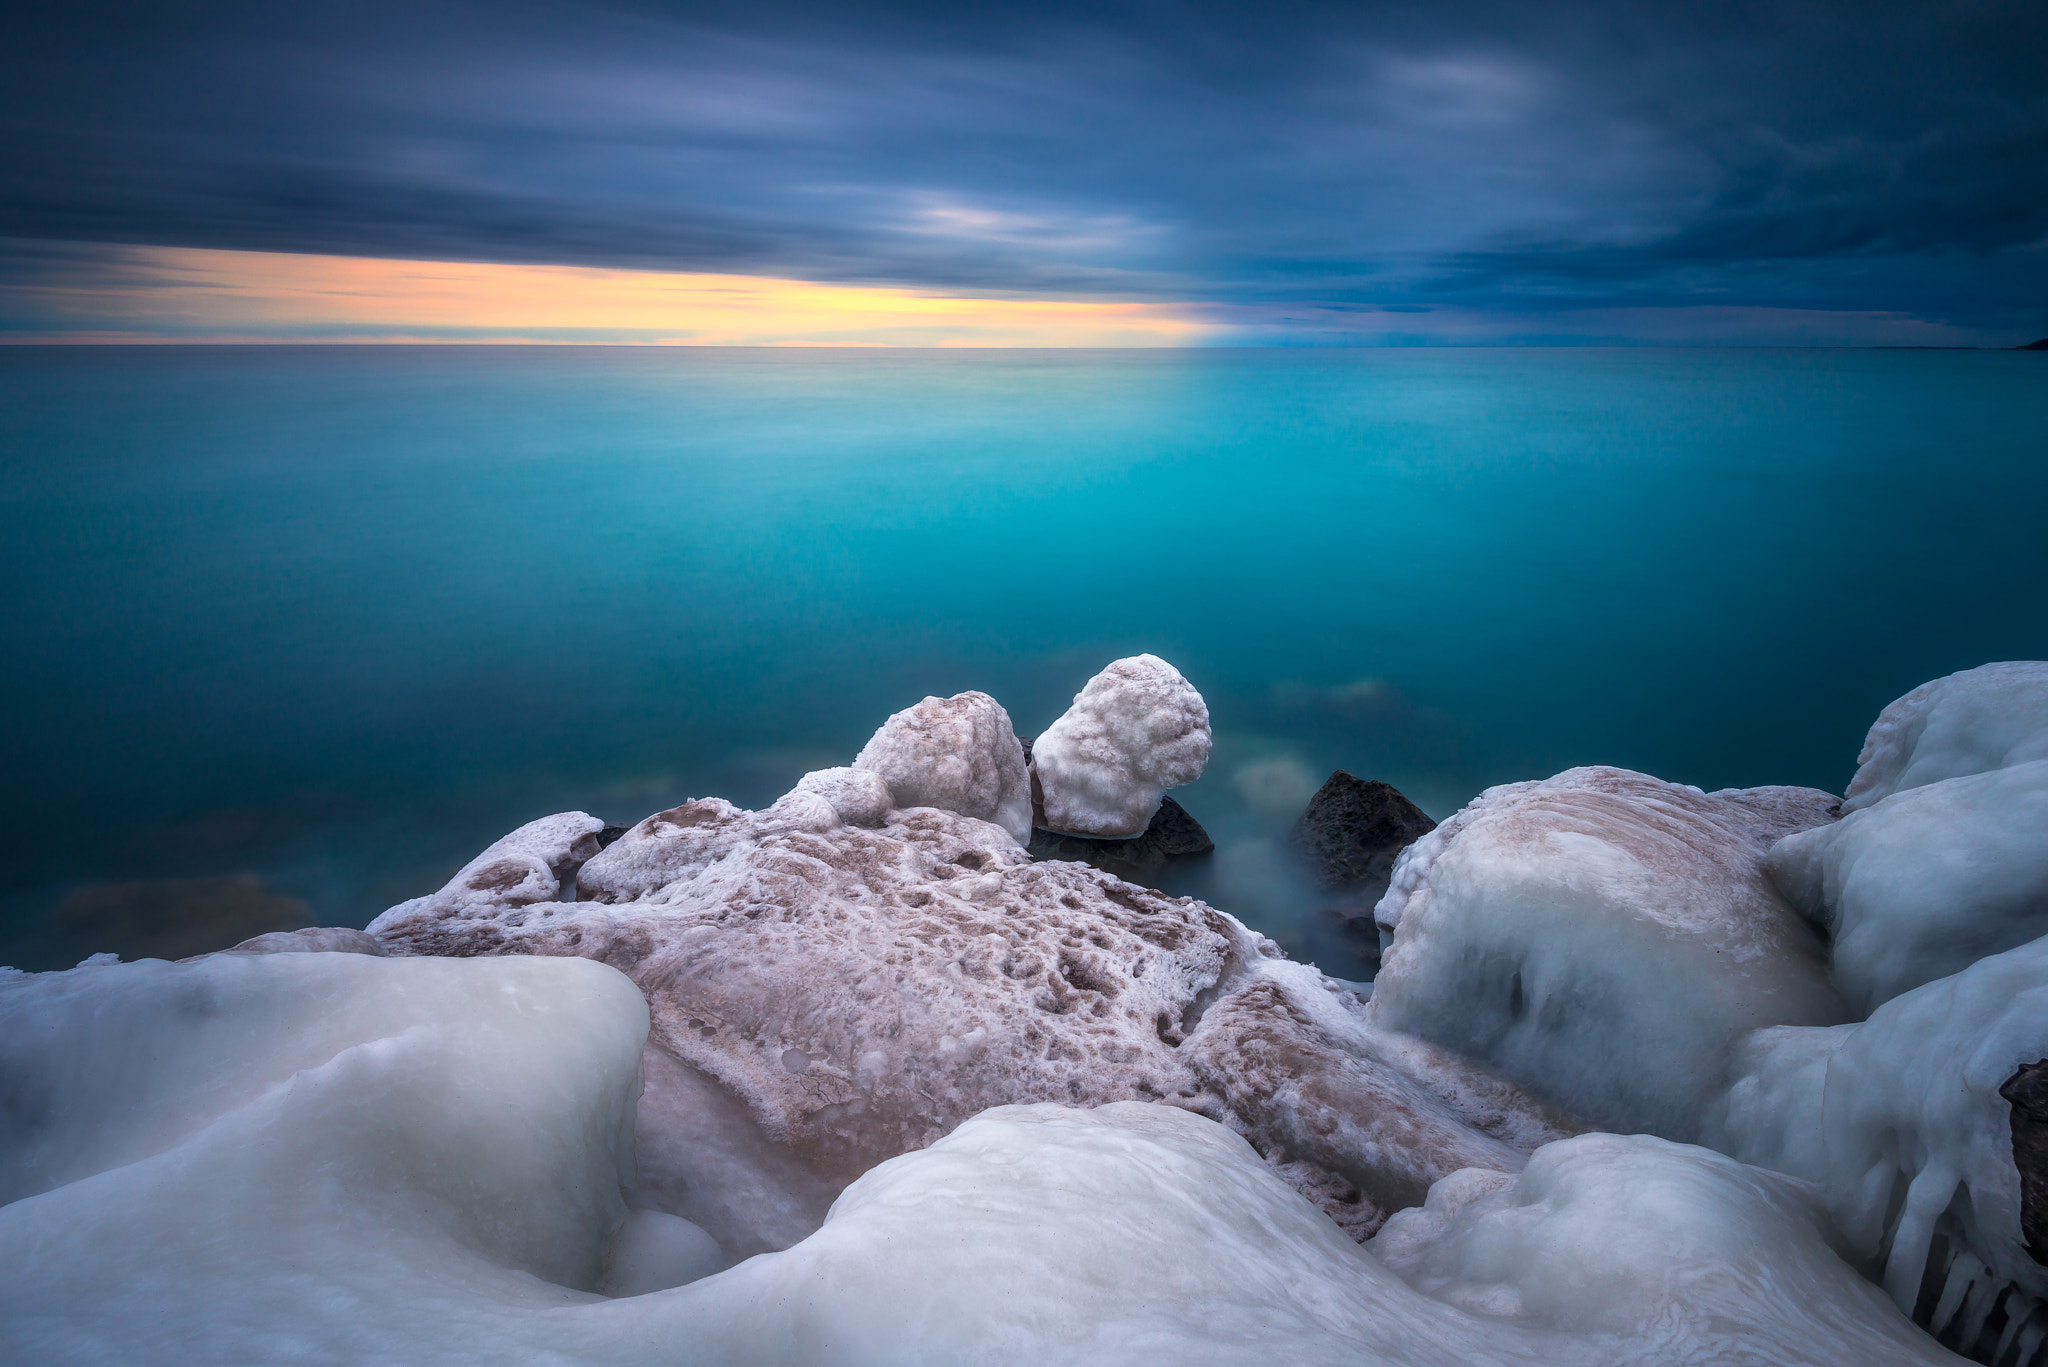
[(185, 294)]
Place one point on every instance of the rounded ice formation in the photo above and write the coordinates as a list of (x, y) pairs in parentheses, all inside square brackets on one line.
[(1926, 882), (1903, 1124), (1990, 717), (346, 1159), (959, 754), (1136, 729), (1604, 938)]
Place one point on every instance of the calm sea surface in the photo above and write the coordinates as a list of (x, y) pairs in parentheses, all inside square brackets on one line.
[(311, 625)]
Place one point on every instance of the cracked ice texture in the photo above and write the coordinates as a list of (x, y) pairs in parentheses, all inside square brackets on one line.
[(1136, 729), (346, 1159), (1927, 881), (1990, 717), (1604, 938), (837, 993), (959, 754)]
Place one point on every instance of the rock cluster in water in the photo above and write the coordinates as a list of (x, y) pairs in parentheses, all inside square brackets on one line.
[(936, 1095)]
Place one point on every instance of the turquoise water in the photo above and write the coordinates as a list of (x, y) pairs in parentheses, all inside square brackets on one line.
[(335, 617)]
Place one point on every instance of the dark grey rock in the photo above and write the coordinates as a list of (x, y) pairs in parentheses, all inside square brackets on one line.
[(1353, 830), (1172, 834), (2027, 1092)]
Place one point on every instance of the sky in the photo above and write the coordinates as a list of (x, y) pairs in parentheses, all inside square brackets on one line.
[(1460, 171)]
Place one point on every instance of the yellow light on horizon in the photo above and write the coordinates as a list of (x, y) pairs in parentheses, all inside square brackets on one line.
[(193, 294)]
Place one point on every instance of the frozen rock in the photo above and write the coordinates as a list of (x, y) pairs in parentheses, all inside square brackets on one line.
[(421, 1161), (1926, 882), (1604, 938), (1171, 834), (1981, 719), (841, 994), (1136, 729), (1908, 1124), (1653, 1244), (1353, 831), (958, 754), (311, 940), (536, 863)]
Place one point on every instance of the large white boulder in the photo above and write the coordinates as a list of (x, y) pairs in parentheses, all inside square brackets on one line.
[(1136, 729), (1926, 882), (1966, 723), (958, 754), (1604, 938)]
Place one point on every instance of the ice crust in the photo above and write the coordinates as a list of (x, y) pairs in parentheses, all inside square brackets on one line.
[(1135, 730), (1605, 938), (381, 1160), (1927, 881), (1990, 717), (958, 754), (1898, 1120), (838, 994)]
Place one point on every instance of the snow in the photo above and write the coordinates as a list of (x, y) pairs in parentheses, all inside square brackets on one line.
[(958, 754), (1927, 881), (1604, 938), (423, 1160), (1981, 719), (1136, 729)]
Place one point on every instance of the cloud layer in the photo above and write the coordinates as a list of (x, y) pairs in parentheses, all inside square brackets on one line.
[(1369, 171)]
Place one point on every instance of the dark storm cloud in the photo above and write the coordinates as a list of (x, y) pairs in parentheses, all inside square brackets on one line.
[(1456, 155)]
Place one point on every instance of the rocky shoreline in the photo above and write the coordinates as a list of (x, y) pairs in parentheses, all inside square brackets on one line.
[(1816, 1023)]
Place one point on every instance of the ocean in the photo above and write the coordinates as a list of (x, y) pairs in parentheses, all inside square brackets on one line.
[(292, 632)]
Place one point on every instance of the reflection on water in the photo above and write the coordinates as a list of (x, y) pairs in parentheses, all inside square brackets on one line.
[(335, 618)]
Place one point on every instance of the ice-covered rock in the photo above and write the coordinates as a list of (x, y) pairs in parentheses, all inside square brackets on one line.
[(1605, 938), (533, 864), (1926, 882), (311, 940), (1136, 729), (1651, 1243), (1981, 719), (1905, 1124), (958, 754), (349, 1159), (843, 993)]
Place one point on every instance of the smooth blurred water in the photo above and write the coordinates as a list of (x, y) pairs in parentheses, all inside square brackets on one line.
[(338, 616)]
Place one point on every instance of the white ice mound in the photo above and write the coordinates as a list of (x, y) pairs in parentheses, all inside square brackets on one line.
[(346, 1159), (530, 865), (1604, 938), (958, 754), (1926, 882), (1900, 1122), (1981, 719), (1673, 1251), (835, 994), (1137, 729)]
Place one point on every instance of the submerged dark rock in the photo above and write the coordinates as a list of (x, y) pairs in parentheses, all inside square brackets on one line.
[(1353, 831), (1172, 834), (2041, 345)]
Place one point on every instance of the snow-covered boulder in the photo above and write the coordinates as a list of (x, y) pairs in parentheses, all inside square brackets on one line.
[(1136, 729), (1926, 882), (827, 995), (1604, 938), (959, 754), (1902, 1123), (1981, 719), (536, 863)]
